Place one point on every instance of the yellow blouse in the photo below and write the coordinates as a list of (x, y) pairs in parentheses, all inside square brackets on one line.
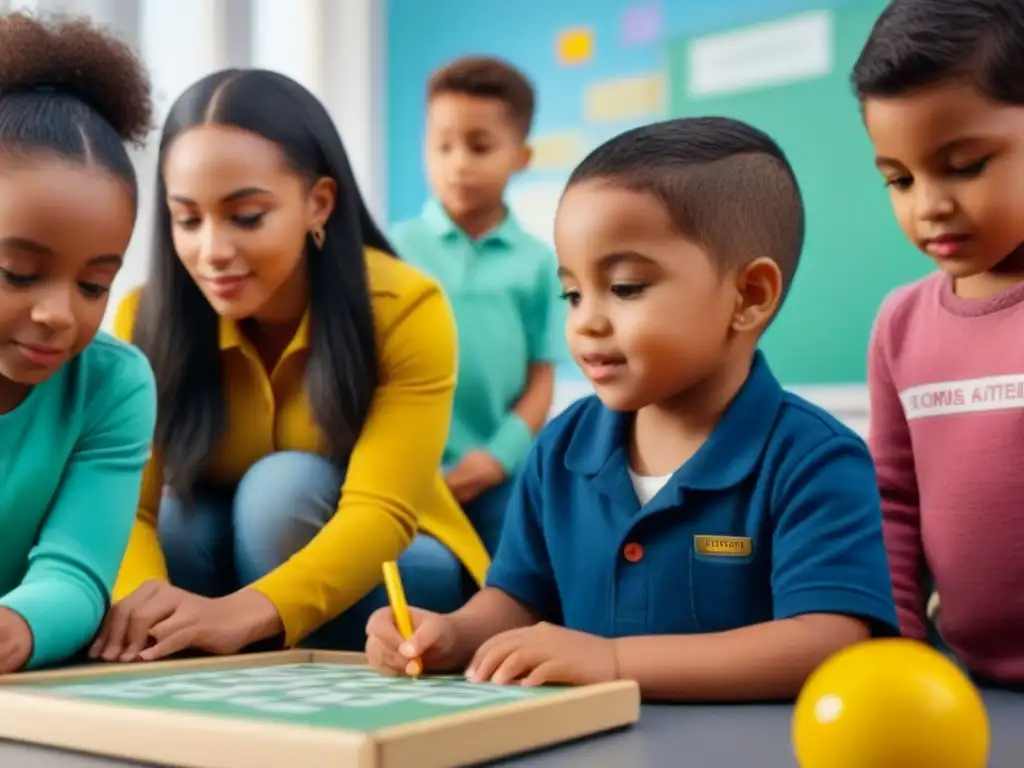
[(393, 485)]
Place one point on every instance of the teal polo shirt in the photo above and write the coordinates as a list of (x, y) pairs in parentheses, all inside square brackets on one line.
[(506, 296), (777, 515)]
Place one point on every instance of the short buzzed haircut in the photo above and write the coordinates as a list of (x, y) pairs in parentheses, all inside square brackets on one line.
[(488, 78), (726, 185)]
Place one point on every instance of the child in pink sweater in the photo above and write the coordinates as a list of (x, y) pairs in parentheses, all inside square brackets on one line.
[(941, 83)]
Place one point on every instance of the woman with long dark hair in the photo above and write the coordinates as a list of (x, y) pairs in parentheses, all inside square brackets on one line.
[(305, 379)]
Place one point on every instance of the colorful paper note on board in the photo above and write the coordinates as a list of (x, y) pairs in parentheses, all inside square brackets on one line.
[(778, 52), (575, 46), (622, 99), (641, 24), (558, 151)]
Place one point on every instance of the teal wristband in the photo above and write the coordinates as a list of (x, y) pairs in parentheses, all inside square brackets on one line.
[(511, 443)]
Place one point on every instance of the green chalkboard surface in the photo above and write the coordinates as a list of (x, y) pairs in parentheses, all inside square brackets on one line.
[(353, 698), (855, 252)]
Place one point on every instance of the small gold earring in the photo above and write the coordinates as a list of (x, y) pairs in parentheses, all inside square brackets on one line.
[(319, 235)]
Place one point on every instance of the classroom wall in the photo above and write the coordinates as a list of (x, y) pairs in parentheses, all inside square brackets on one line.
[(570, 49), (601, 66)]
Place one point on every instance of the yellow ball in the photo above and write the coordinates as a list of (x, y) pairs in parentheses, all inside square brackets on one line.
[(891, 703)]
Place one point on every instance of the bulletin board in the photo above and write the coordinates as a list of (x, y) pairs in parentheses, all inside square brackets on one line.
[(604, 66)]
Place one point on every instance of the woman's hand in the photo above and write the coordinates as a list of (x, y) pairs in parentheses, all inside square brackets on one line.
[(158, 620)]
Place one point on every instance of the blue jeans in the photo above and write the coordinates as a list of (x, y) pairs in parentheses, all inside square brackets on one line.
[(227, 539), (487, 513)]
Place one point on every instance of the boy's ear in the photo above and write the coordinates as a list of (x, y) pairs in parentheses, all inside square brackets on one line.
[(525, 157), (758, 293)]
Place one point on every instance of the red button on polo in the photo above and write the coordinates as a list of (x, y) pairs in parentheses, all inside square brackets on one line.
[(633, 552)]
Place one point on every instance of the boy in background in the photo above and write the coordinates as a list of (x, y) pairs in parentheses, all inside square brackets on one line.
[(500, 280)]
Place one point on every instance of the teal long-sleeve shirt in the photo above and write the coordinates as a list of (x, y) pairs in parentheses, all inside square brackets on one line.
[(71, 461)]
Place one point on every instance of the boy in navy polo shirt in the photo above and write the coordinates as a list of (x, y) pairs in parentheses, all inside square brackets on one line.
[(692, 527), (500, 280)]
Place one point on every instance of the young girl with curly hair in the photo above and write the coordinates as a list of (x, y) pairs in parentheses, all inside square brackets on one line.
[(77, 407)]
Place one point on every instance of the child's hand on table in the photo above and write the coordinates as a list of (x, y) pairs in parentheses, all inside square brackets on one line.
[(477, 472), (544, 654), (433, 642), (16, 642)]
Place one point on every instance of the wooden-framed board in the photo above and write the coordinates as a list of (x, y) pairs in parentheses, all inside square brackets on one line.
[(310, 708)]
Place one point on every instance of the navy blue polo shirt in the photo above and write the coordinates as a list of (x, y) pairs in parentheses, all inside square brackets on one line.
[(777, 515)]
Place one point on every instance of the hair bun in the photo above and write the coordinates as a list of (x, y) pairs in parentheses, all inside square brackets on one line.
[(74, 55)]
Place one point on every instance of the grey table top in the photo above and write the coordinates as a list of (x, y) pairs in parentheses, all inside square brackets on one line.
[(667, 735), (739, 737)]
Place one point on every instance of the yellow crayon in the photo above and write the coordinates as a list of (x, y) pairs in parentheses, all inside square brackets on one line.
[(396, 596)]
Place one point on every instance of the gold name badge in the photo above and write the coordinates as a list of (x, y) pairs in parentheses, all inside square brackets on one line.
[(724, 546)]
